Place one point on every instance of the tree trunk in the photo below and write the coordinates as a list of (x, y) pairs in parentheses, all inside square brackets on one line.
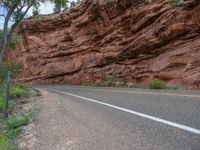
[(3, 46)]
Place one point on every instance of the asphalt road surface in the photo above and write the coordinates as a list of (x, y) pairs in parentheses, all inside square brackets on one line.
[(86, 118)]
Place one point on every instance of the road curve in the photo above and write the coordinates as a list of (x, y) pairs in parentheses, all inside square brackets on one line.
[(119, 119)]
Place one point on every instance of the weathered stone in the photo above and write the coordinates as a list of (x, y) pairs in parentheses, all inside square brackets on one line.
[(123, 40)]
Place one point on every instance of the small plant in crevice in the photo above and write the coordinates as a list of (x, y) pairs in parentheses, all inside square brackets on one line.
[(174, 3)]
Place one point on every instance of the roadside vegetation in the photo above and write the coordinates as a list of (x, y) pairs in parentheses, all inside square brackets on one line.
[(153, 84), (157, 84), (11, 127), (14, 69)]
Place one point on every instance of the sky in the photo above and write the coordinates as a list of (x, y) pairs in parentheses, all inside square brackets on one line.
[(44, 9)]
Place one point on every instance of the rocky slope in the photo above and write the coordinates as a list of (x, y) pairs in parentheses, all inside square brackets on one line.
[(123, 40)]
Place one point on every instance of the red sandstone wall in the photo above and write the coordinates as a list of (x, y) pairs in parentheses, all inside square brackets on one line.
[(123, 40)]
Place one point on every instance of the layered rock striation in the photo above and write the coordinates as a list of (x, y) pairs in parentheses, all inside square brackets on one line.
[(122, 40)]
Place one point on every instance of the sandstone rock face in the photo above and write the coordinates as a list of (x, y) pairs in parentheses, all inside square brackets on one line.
[(123, 40)]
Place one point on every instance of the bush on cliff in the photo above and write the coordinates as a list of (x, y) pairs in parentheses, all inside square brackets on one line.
[(157, 84)]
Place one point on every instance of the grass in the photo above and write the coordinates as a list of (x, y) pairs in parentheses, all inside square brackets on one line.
[(16, 91), (121, 84), (19, 91), (107, 83), (8, 136), (7, 140), (11, 127), (140, 86), (17, 121), (11, 105), (154, 84), (6, 143)]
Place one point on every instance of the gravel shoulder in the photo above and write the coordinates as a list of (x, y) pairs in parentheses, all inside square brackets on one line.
[(50, 133), (60, 127)]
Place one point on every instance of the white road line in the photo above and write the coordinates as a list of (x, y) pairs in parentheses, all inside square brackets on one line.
[(183, 127)]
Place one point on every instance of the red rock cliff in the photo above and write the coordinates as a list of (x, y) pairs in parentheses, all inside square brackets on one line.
[(123, 40)]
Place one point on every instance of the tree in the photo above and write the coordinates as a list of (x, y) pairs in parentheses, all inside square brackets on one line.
[(12, 12), (60, 5), (78, 1), (72, 4)]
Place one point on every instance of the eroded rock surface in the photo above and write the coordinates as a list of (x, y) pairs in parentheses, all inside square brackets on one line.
[(123, 40)]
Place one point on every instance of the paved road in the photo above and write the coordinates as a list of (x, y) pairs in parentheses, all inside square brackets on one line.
[(121, 119)]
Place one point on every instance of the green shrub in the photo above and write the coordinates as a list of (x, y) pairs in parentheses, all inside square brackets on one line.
[(19, 91), (7, 140), (98, 84), (121, 84), (140, 86), (11, 105), (17, 121), (13, 133), (12, 67), (157, 84), (14, 41), (174, 3), (108, 83), (8, 136), (4, 143), (10, 127)]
